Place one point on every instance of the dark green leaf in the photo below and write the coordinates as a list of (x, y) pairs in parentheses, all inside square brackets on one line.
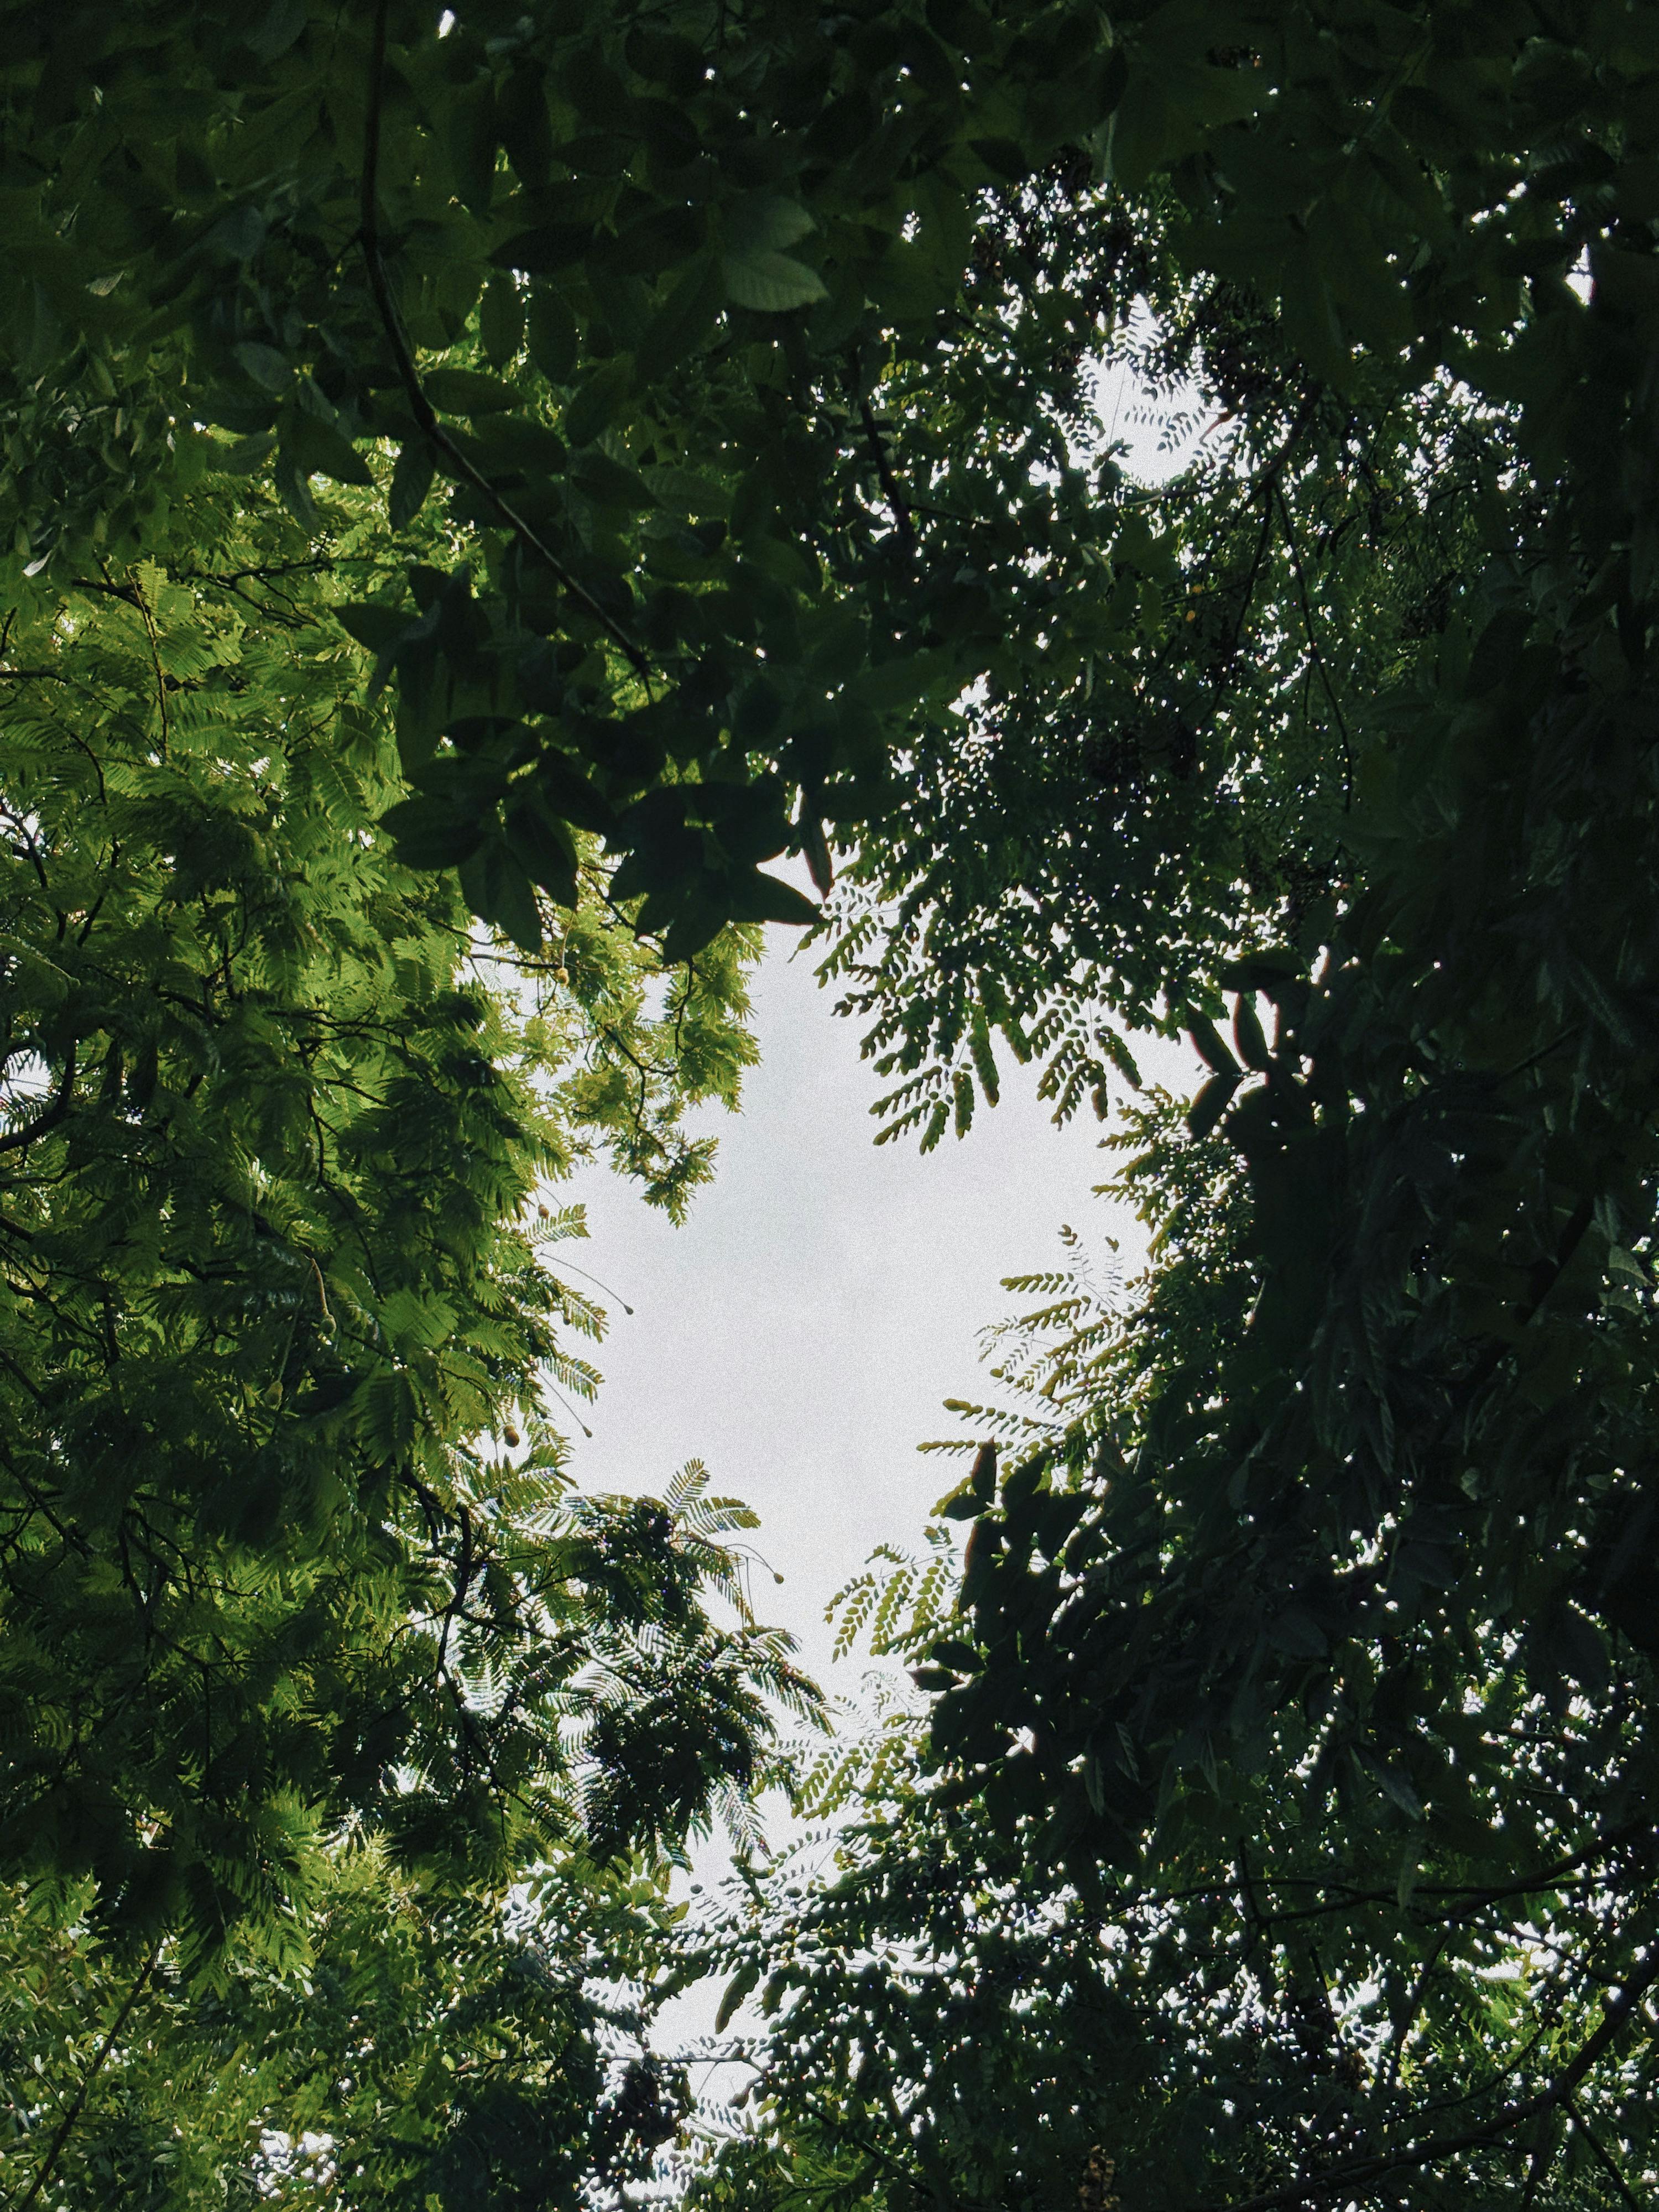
[(770, 283), (466, 391), (411, 480)]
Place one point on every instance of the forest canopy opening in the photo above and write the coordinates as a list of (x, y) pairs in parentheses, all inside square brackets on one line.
[(481, 489)]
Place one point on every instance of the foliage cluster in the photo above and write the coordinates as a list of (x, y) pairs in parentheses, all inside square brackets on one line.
[(702, 387)]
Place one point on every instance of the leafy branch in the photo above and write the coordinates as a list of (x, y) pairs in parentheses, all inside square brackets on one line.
[(43, 2173), (421, 406), (1342, 2181)]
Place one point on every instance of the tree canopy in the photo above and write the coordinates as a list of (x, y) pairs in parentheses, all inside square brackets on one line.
[(482, 483)]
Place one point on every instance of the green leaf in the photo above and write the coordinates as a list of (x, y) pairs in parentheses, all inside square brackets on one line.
[(1210, 1103), (373, 624), (1297, 1632), (429, 833), (246, 455), (756, 896), (496, 886), (549, 248), (316, 449), (700, 917), (1207, 1040), (905, 678), (551, 332), (270, 370), (1005, 157), (569, 796), (763, 222), (682, 322), (525, 126), (611, 483), (501, 320), (598, 400), (1393, 1784), (466, 392), (770, 283), (1626, 282), (665, 58), (519, 442), (411, 480), (1249, 1034), (684, 493), (278, 28), (746, 1978), (542, 842)]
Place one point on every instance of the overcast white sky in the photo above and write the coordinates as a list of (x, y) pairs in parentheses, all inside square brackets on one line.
[(800, 1333)]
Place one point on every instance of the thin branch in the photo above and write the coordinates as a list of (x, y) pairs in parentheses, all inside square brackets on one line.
[(43, 2173), (1314, 653), (1343, 2181), (1413, 2005), (420, 405), (1603, 2158), (889, 483), (150, 632), (53, 1114), (1543, 2157)]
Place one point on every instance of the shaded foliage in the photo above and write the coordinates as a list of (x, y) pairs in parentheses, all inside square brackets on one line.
[(1306, 1647)]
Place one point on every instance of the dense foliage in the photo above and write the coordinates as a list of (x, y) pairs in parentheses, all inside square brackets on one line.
[(306, 1640), (1293, 1756), (705, 392)]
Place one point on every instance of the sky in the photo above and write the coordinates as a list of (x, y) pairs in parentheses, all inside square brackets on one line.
[(800, 1333)]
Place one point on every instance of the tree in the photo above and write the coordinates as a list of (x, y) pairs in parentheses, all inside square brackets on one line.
[(752, 372), (1284, 1972), (428, 2034), (309, 1655)]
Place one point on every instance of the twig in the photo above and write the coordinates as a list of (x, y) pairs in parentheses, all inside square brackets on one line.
[(149, 620), (1315, 654), (1413, 2005), (1543, 2157), (52, 1115), (369, 237), (1603, 2158), (43, 2173), (889, 483), (1343, 2181)]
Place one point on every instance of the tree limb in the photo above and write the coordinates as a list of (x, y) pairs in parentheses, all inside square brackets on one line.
[(1344, 2181), (1602, 2157), (53, 1114), (420, 405), (77, 2103)]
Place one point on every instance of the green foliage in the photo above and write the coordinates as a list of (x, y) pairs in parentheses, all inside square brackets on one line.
[(276, 1294), (1306, 1641), (722, 371), (310, 239), (435, 2054)]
